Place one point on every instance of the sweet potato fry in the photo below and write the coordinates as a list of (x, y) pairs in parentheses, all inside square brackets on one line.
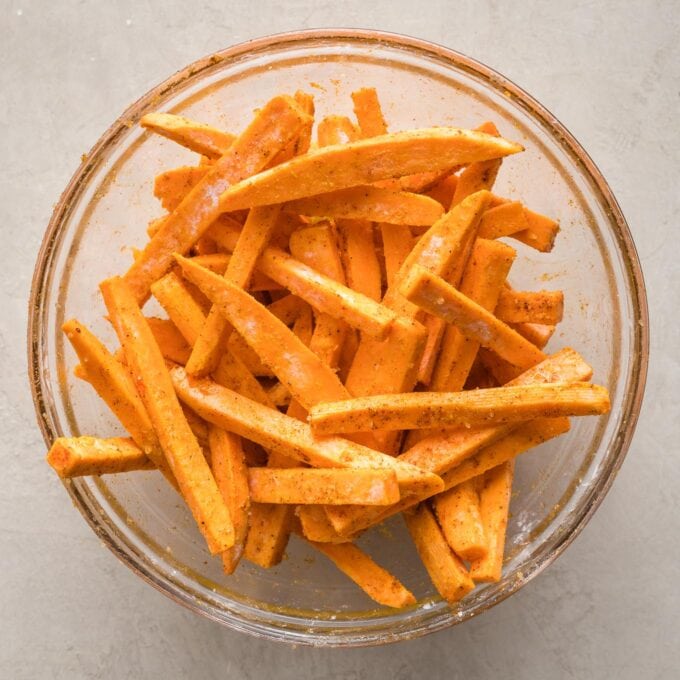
[(503, 220), (170, 341), (198, 137), (332, 129), (443, 190), (179, 445), (368, 112), (482, 282), (272, 128), (316, 525), (231, 475), (360, 261), (536, 333), (363, 162), (397, 244), (250, 244), (522, 439), (113, 384), (494, 507), (218, 263), (522, 306), (493, 406), (273, 430), (78, 456), (268, 534), (447, 572), (436, 296), (370, 203), (173, 295), (541, 232), (170, 187), (375, 581), (309, 486), (460, 519)]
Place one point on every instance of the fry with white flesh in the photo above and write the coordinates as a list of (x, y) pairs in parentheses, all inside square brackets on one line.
[(375, 581), (437, 297), (78, 456), (309, 486), (113, 384), (448, 573), (272, 128), (363, 162), (228, 465), (523, 306), (491, 406), (370, 203), (198, 137), (179, 445), (251, 242), (273, 430), (460, 519), (494, 501)]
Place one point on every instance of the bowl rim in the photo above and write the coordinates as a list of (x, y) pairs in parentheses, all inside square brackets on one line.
[(625, 243)]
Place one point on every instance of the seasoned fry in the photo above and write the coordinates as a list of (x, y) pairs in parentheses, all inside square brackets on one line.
[(331, 129), (521, 306), (173, 295), (272, 128), (494, 507), (541, 232), (231, 475), (368, 112), (375, 581), (397, 244), (447, 572), (171, 186), (492, 406), (316, 525), (503, 220), (460, 520), (360, 261), (218, 263), (250, 244), (273, 430), (171, 342), (308, 486), (179, 445), (198, 137), (363, 162), (78, 456), (537, 334), (370, 203), (436, 296)]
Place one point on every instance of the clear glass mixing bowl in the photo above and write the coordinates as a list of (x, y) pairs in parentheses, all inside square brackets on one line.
[(103, 213)]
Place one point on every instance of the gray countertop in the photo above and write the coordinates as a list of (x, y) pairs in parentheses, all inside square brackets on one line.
[(608, 608)]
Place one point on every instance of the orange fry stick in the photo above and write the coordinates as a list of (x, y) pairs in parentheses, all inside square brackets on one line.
[(494, 507), (363, 162), (437, 297), (316, 526), (78, 456), (332, 128), (503, 220), (520, 306), (173, 295), (447, 572), (272, 128), (273, 430), (231, 475), (460, 520), (360, 261), (444, 190), (198, 137), (537, 334), (113, 384), (525, 437), (171, 186), (370, 203), (368, 112), (541, 232), (179, 445), (309, 486), (375, 581), (218, 263), (397, 244), (251, 242), (492, 406), (170, 341)]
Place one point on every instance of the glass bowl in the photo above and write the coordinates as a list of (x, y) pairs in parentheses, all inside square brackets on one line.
[(103, 212)]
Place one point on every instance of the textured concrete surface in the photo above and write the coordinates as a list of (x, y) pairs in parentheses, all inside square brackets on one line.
[(608, 607)]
